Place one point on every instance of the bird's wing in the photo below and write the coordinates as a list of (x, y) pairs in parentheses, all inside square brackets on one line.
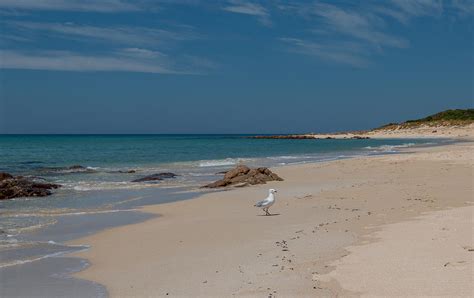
[(261, 203)]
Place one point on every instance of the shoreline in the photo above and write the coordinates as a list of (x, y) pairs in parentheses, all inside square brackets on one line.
[(170, 215), (424, 131), (46, 237)]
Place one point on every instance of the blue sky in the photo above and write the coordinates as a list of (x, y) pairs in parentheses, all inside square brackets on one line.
[(236, 66)]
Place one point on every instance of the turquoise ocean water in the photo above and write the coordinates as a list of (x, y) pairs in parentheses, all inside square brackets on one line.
[(101, 194)]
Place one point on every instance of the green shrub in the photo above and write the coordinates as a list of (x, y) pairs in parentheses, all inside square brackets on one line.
[(445, 118)]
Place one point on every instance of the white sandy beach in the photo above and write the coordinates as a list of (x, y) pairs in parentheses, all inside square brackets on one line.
[(420, 132), (139, 137), (392, 225), (429, 256)]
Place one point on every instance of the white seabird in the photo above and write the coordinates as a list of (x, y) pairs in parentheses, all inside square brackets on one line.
[(268, 202)]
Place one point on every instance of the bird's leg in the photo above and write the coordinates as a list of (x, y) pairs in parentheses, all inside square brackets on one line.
[(266, 212)]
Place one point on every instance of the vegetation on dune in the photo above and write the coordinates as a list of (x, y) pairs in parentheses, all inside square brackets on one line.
[(458, 114), (445, 118)]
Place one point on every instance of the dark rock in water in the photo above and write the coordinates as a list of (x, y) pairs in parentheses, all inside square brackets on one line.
[(122, 172), (67, 170), (221, 173), (14, 187), (156, 177), (243, 176), (360, 138), (4, 176), (309, 136), (287, 137), (77, 167)]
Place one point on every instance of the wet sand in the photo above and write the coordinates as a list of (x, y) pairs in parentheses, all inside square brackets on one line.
[(220, 245)]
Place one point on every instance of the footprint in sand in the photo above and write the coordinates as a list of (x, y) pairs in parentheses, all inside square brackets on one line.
[(455, 264), (305, 197)]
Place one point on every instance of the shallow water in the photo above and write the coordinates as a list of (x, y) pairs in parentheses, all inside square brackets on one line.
[(99, 196), (49, 277)]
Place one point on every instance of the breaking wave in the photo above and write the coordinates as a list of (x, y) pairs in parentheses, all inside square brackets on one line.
[(389, 148), (219, 162)]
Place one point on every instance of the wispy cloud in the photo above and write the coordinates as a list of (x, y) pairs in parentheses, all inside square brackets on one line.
[(125, 60), (340, 52), (122, 48), (249, 8), (117, 34), (463, 7), (420, 7), (405, 10), (344, 34), (352, 33), (104, 6), (142, 53), (361, 25), (69, 61), (396, 14)]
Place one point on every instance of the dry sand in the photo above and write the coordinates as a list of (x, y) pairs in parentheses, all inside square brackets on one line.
[(431, 256), (346, 227)]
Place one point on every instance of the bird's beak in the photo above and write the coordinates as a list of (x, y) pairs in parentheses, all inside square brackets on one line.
[(276, 191)]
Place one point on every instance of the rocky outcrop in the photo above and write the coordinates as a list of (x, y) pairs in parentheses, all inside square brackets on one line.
[(4, 176), (243, 176), (15, 187), (339, 136), (360, 138), (290, 137), (156, 177)]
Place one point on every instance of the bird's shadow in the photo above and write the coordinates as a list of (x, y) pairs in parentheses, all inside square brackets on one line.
[(273, 214)]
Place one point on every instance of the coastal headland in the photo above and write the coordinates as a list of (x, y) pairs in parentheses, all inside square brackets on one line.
[(446, 124)]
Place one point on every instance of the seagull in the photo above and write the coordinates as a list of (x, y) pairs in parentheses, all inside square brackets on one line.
[(268, 202)]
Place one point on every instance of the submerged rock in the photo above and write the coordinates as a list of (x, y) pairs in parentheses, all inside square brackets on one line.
[(67, 170), (127, 172), (156, 177), (14, 187), (243, 176), (122, 172), (287, 137), (77, 167)]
